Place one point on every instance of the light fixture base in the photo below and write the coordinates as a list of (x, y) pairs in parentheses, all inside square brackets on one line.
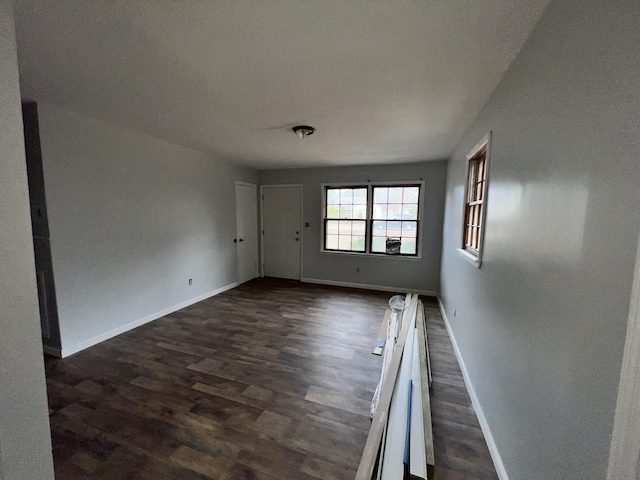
[(303, 130)]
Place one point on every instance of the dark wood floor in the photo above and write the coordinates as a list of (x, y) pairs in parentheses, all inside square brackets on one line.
[(460, 448), (271, 380)]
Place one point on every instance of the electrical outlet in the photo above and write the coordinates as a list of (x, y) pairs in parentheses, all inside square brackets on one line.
[(190, 281), (357, 269)]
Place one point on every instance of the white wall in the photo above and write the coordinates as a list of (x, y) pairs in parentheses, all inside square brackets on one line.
[(132, 219), (25, 442), (541, 325), (399, 273)]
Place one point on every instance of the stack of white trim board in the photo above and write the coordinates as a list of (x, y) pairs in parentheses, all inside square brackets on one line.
[(400, 441)]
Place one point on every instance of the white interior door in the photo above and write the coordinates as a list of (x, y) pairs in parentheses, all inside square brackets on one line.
[(247, 231), (281, 231)]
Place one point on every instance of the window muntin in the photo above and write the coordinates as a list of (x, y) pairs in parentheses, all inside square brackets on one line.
[(474, 201), (361, 218)]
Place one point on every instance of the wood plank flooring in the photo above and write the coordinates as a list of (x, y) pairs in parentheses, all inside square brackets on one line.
[(460, 448), (271, 380)]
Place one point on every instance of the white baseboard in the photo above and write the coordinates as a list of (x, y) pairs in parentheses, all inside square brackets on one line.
[(53, 351), (365, 286), (66, 351), (488, 436)]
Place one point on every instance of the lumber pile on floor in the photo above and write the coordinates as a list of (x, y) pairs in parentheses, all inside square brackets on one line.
[(400, 441)]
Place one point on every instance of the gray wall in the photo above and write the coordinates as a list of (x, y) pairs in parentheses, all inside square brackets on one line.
[(398, 273), (25, 444), (132, 218), (541, 325)]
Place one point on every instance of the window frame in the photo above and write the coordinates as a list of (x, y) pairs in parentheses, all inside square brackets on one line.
[(369, 218), (326, 219), (481, 149)]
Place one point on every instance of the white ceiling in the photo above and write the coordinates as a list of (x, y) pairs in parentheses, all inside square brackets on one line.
[(381, 81)]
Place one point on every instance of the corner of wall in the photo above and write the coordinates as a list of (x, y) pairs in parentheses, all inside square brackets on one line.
[(70, 350)]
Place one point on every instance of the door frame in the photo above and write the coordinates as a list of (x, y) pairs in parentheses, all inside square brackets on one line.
[(257, 259), (261, 232), (624, 452)]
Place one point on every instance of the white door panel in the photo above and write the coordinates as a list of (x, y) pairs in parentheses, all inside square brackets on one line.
[(282, 233), (247, 231)]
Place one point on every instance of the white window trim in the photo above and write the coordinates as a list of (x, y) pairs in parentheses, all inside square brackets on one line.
[(370, 185), (476, 260)]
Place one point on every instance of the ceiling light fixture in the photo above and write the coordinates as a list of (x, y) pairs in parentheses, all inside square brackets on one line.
[(303, 131)]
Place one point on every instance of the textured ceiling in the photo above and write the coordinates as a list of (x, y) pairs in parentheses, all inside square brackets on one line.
[(381, 81)]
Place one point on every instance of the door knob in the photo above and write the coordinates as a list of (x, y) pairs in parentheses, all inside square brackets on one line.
[(241, 240), (297, 239)]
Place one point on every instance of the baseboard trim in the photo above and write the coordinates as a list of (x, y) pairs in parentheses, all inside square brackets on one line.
[(67, 351), (365, 286), (486, 430), (53, 351)]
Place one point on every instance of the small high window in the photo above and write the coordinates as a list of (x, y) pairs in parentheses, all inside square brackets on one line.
[(475, 195)]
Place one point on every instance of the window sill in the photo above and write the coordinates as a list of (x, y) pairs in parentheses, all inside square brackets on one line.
[(372, 255), (475, 261)]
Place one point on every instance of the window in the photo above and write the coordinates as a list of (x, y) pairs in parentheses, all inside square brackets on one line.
[(380, 219), (395, 216), (345, 219), (475, 194)]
